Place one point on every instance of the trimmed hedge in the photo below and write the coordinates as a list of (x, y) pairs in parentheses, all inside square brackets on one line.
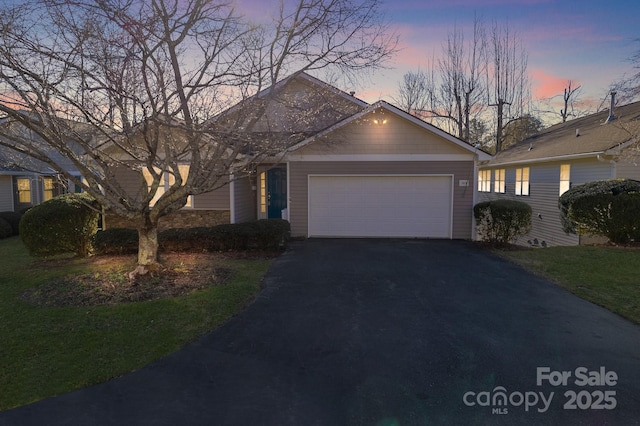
[(610, 208), (265, 234), (13, 218), (500, 221), (64, 224), (5, 229), (116, 241)]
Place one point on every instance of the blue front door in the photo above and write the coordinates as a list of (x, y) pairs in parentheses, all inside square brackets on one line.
[(276, 192)]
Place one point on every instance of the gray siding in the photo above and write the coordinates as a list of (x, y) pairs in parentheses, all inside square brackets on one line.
[(244, 201), (544, 188), (6, 194), (462, 197), (214, 200), (396, 136), (132, 183), (628, 168), (589, 170)]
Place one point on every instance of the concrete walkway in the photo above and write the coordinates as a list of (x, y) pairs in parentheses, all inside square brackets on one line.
[(383, 332)]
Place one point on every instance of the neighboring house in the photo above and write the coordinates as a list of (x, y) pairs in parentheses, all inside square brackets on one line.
[(539, 169), (350, 169), (25, 182)]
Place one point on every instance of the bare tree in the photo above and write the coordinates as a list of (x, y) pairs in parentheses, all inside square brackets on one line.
[(452, 91), (137, 87), (507, 79), (569, 97), (413, 93)]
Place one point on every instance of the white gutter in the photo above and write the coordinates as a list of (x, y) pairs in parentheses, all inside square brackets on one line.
[(547, 159)]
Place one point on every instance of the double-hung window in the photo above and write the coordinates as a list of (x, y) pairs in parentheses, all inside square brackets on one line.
[(522, 181), (24, 190), (565, 178), (167, 180), (484, 180), (499, 184)]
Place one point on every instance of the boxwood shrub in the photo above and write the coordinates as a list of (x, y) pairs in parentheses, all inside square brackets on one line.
[(265, 234), (501, 221), (13, 219), (116, 241), (64, 224), (610, 208)]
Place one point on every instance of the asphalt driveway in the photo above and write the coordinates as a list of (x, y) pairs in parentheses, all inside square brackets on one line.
[(383, 332)]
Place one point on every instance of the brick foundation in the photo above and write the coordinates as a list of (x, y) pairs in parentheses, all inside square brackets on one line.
[(180, 219)]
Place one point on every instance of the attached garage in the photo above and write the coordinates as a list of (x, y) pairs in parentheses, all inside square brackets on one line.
[(380, 206)]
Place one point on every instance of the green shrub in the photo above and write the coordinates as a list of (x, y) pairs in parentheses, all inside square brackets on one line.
[(64, 224), (265, 234), (5, 229), (116, 241), (13, 218), (501, 221), (610, 208)]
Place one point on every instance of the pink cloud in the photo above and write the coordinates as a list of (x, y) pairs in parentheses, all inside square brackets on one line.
[(546, 85)]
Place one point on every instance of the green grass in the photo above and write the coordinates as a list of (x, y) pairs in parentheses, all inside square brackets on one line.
[(46, 351), (608, 277)]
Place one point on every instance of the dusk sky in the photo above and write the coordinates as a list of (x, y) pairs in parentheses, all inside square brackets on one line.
[(588, 41)]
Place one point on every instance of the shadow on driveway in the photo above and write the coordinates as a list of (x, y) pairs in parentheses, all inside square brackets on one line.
[(382, 332)]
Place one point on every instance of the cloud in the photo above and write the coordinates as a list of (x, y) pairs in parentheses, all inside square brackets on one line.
[(546, 85)]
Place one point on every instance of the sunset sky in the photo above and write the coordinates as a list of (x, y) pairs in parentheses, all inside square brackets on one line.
[(587, 41)]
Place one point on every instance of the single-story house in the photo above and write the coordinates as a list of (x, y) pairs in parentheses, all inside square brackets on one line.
[(539, 169), (354, 170), (25, 182)]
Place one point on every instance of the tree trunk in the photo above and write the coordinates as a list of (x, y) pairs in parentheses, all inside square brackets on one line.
[(147, 250)]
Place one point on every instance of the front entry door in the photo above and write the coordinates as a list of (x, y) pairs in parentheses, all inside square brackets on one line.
[(276, 192)]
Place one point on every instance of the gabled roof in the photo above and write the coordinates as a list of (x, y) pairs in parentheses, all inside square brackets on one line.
[(403, 114), (583, 137)]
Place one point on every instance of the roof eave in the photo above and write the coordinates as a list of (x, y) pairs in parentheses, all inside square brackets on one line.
[(482, 156)]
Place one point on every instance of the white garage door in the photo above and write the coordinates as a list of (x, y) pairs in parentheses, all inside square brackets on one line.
[(380, 206)]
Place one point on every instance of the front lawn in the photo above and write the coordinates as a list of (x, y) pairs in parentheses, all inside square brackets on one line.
[(606, 276), (53, 341)]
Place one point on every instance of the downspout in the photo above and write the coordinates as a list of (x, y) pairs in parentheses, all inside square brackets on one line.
[(232, 199), (474, 188)]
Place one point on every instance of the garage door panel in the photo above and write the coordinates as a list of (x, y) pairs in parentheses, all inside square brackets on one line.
[(380, 206)]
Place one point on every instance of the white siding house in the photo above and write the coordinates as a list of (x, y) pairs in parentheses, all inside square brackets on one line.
[(596, 147)]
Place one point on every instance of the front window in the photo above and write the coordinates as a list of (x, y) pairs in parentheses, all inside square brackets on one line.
[(484, 180), (522, 181), (166, 181), (24, 190), (499, 183), (47, 188), (565, 178)]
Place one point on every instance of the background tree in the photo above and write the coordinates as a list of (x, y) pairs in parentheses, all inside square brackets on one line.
[(507, 78), (138, 85), (413, 93), (487, 69), (569, 98), (452, 92), (519, 129)]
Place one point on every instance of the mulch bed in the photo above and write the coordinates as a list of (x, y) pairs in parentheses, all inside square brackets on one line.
[(108, 284)]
